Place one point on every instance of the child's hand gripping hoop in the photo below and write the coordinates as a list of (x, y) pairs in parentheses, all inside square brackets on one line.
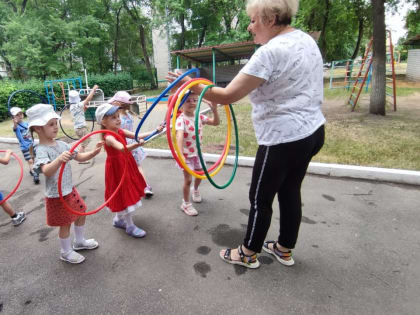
[(159, 98), (60, 176), (19, 180), (235, 166), (178, 156)]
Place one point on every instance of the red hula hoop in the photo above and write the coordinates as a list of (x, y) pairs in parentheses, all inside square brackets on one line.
[(171, 105), (60, 176), (20, 177)]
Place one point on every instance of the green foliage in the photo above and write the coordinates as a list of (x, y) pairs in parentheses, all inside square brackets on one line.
[(110, 83)]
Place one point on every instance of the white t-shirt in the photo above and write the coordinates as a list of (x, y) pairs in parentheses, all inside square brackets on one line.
[(187, 124), (78, 113), (287, 107)]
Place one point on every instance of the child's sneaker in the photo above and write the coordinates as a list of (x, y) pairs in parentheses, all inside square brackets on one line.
[(87, 244), (188, 209), (135, 231), (196, 197), (36, 178), (119, 223), (148, 191), (72, 257), (20, 217)]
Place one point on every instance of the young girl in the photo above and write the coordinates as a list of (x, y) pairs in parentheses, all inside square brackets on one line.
[(17, 218), (122, 99), (185, 136), (49, 155), (21, 129), (132, 190)]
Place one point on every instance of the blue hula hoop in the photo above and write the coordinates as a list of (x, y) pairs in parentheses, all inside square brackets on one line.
[(196, 70)]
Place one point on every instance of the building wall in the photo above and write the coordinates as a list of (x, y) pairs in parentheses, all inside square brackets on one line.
[(161, 56), (3, 72), (413, 65)]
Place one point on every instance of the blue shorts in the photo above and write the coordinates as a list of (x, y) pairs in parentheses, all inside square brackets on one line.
[(27, 154), (1, 196)]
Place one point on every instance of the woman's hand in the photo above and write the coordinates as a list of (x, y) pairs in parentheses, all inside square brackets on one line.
[(172, 76), (159, 128)]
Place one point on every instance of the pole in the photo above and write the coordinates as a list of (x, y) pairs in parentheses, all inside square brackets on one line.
[(87, 86)]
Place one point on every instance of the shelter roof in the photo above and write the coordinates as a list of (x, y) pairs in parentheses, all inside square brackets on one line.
[(225, 52), (413, 40)]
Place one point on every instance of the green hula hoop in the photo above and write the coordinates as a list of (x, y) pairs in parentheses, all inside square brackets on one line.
[(197, 141)]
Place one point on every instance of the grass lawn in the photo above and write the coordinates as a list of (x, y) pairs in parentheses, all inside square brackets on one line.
[(356, 138)]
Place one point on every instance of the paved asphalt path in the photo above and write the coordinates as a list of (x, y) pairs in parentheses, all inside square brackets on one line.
[(358, 251)]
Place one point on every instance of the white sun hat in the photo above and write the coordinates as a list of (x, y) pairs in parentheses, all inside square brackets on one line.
[(74, 97), (40, 115), (105, 109), (15, 110)]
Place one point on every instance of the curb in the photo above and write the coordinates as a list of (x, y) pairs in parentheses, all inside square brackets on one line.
[(397, 176)]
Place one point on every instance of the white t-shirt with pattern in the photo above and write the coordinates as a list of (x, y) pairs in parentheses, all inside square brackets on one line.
[(287, 107), (78, 114), (187, 124)]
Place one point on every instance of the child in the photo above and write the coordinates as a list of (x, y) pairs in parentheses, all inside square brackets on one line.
[(122, 99), (49, 155), (132, 190), (185, 136), (25, 140), (77, 110), (17, 218)]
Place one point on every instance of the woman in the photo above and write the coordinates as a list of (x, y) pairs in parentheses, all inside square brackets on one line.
[(284, 80)]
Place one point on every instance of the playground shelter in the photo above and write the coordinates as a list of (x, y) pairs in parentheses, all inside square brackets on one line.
[(228, 56), (413, 59)]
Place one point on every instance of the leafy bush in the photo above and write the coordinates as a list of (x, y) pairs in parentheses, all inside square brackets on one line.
[(111, 83)]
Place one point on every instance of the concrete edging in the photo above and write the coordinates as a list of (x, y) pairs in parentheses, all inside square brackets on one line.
[(334, 170)]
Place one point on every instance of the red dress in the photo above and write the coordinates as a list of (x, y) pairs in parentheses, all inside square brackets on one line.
[(132, 189)]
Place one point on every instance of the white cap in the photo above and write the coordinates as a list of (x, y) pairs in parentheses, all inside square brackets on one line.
[(40, 114), (105, 109), (121, 96), (74, 97), (15, 110)]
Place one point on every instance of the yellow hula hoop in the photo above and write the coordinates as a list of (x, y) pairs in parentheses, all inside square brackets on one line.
[(173, 133)]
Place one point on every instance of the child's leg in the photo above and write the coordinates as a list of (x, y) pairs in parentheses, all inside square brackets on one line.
[(186, 187), (8, 209), (79, 237), (31, 165), (197, 181), (67, 254)]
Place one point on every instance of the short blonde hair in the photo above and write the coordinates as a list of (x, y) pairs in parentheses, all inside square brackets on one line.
[(284, 10)]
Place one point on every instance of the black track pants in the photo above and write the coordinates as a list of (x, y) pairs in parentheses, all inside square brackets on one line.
[(280, 170)]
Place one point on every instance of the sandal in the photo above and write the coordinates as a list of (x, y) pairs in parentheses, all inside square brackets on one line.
[(280, 255), (249, 261)]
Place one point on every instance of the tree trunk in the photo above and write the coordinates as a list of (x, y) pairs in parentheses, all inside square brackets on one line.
[(377, 93), (359, 38), (202, 36), (182, 37), (117, 36), (146, 56), (323, 39)]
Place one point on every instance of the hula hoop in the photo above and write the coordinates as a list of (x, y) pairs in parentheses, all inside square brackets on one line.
[(158, 99), (181, 159), (60, 176), (19, 180), (41, 98), (200, 156), (62, 129), (168, 135)]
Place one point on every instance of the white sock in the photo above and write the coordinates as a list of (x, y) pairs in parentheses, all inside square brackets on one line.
[(119, 216), (128, 219), (65, 245), (79, 234)]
